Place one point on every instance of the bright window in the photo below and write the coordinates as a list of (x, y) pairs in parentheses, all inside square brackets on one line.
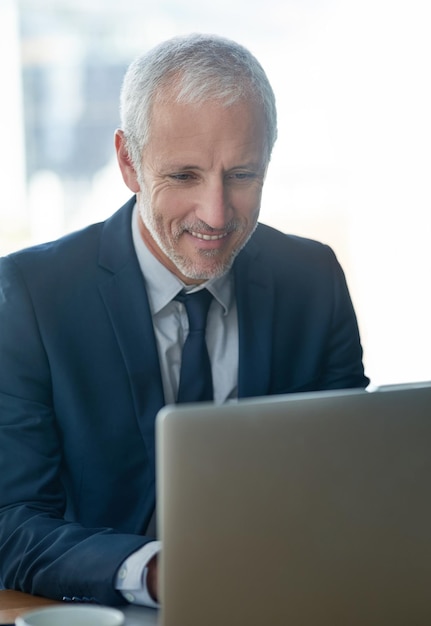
[(352, 166)]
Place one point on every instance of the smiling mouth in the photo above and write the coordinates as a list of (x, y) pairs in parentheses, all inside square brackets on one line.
[(208, 237)]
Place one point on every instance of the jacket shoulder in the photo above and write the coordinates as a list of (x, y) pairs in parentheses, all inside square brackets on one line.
[(277, 246), (73, 253)]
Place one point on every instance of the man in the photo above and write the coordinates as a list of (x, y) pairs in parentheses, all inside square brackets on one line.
[(91, 332)]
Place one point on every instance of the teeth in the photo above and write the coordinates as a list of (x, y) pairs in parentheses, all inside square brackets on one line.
[(208, 237)]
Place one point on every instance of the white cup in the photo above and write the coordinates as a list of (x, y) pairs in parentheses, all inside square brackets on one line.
[(72, 616)]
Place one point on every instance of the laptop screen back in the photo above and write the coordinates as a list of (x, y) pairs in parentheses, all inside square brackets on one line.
[(304, 509)]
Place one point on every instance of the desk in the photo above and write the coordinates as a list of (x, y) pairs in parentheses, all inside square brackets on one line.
[(14, 603)]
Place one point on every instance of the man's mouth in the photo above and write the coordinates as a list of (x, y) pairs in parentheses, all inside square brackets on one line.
[(208, 237)]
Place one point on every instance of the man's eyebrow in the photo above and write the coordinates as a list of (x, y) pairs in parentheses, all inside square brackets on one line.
[(175, 166), (255, 165)]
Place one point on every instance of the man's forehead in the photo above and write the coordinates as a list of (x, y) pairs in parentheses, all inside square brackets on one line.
[(189, 119), (188, 129)]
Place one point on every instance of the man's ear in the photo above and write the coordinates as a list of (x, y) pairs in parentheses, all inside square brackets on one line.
[(125, 163)]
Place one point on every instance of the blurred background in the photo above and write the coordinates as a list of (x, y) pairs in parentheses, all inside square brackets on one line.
[(351, 167)]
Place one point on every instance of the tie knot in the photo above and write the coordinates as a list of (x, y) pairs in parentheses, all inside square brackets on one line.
[(197, 305)]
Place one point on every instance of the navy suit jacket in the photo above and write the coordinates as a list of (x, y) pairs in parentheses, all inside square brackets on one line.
[(80, 386)]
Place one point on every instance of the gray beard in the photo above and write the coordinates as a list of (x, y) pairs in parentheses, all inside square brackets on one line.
[(183, 264)]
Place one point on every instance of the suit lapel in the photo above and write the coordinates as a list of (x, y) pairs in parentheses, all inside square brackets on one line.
[(123, 292), (255, 302)]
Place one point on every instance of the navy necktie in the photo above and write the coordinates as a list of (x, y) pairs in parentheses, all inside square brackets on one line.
[(195, 375)]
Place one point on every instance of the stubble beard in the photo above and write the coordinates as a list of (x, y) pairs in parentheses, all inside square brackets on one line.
[(189, 268)]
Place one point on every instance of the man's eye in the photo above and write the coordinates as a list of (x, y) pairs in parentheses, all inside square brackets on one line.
[(181, 176), (239, 176)]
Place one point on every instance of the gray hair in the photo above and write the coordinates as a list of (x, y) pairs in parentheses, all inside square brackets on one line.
[(199, 68)]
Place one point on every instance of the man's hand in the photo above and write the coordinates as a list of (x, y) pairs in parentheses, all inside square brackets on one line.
[(152, 578)]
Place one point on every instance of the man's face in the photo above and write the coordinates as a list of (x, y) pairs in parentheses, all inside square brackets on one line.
[(200, 184)]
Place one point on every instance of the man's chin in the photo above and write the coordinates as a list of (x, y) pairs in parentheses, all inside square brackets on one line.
[(201, 275), (203, 272)]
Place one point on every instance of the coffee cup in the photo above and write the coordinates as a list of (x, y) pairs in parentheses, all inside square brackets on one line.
[(72, 615)]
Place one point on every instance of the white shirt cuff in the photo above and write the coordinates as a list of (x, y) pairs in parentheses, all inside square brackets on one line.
[(131, 579)]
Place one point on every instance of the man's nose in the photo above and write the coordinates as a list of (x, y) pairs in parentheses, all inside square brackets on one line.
[(214, 207)]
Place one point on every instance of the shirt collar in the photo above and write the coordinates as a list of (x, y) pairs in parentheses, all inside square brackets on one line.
[(162, 285)]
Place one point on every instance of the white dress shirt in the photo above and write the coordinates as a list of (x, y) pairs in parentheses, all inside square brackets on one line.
[(171, 328)]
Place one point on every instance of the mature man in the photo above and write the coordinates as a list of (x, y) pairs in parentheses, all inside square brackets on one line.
[(92, 332)]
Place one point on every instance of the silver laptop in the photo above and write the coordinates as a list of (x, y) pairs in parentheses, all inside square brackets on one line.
[(303, 510)]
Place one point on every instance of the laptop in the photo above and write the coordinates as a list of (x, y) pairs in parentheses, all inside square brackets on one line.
[(304, 510)]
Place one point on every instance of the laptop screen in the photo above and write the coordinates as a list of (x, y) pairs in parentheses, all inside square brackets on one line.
[(301, 509)]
